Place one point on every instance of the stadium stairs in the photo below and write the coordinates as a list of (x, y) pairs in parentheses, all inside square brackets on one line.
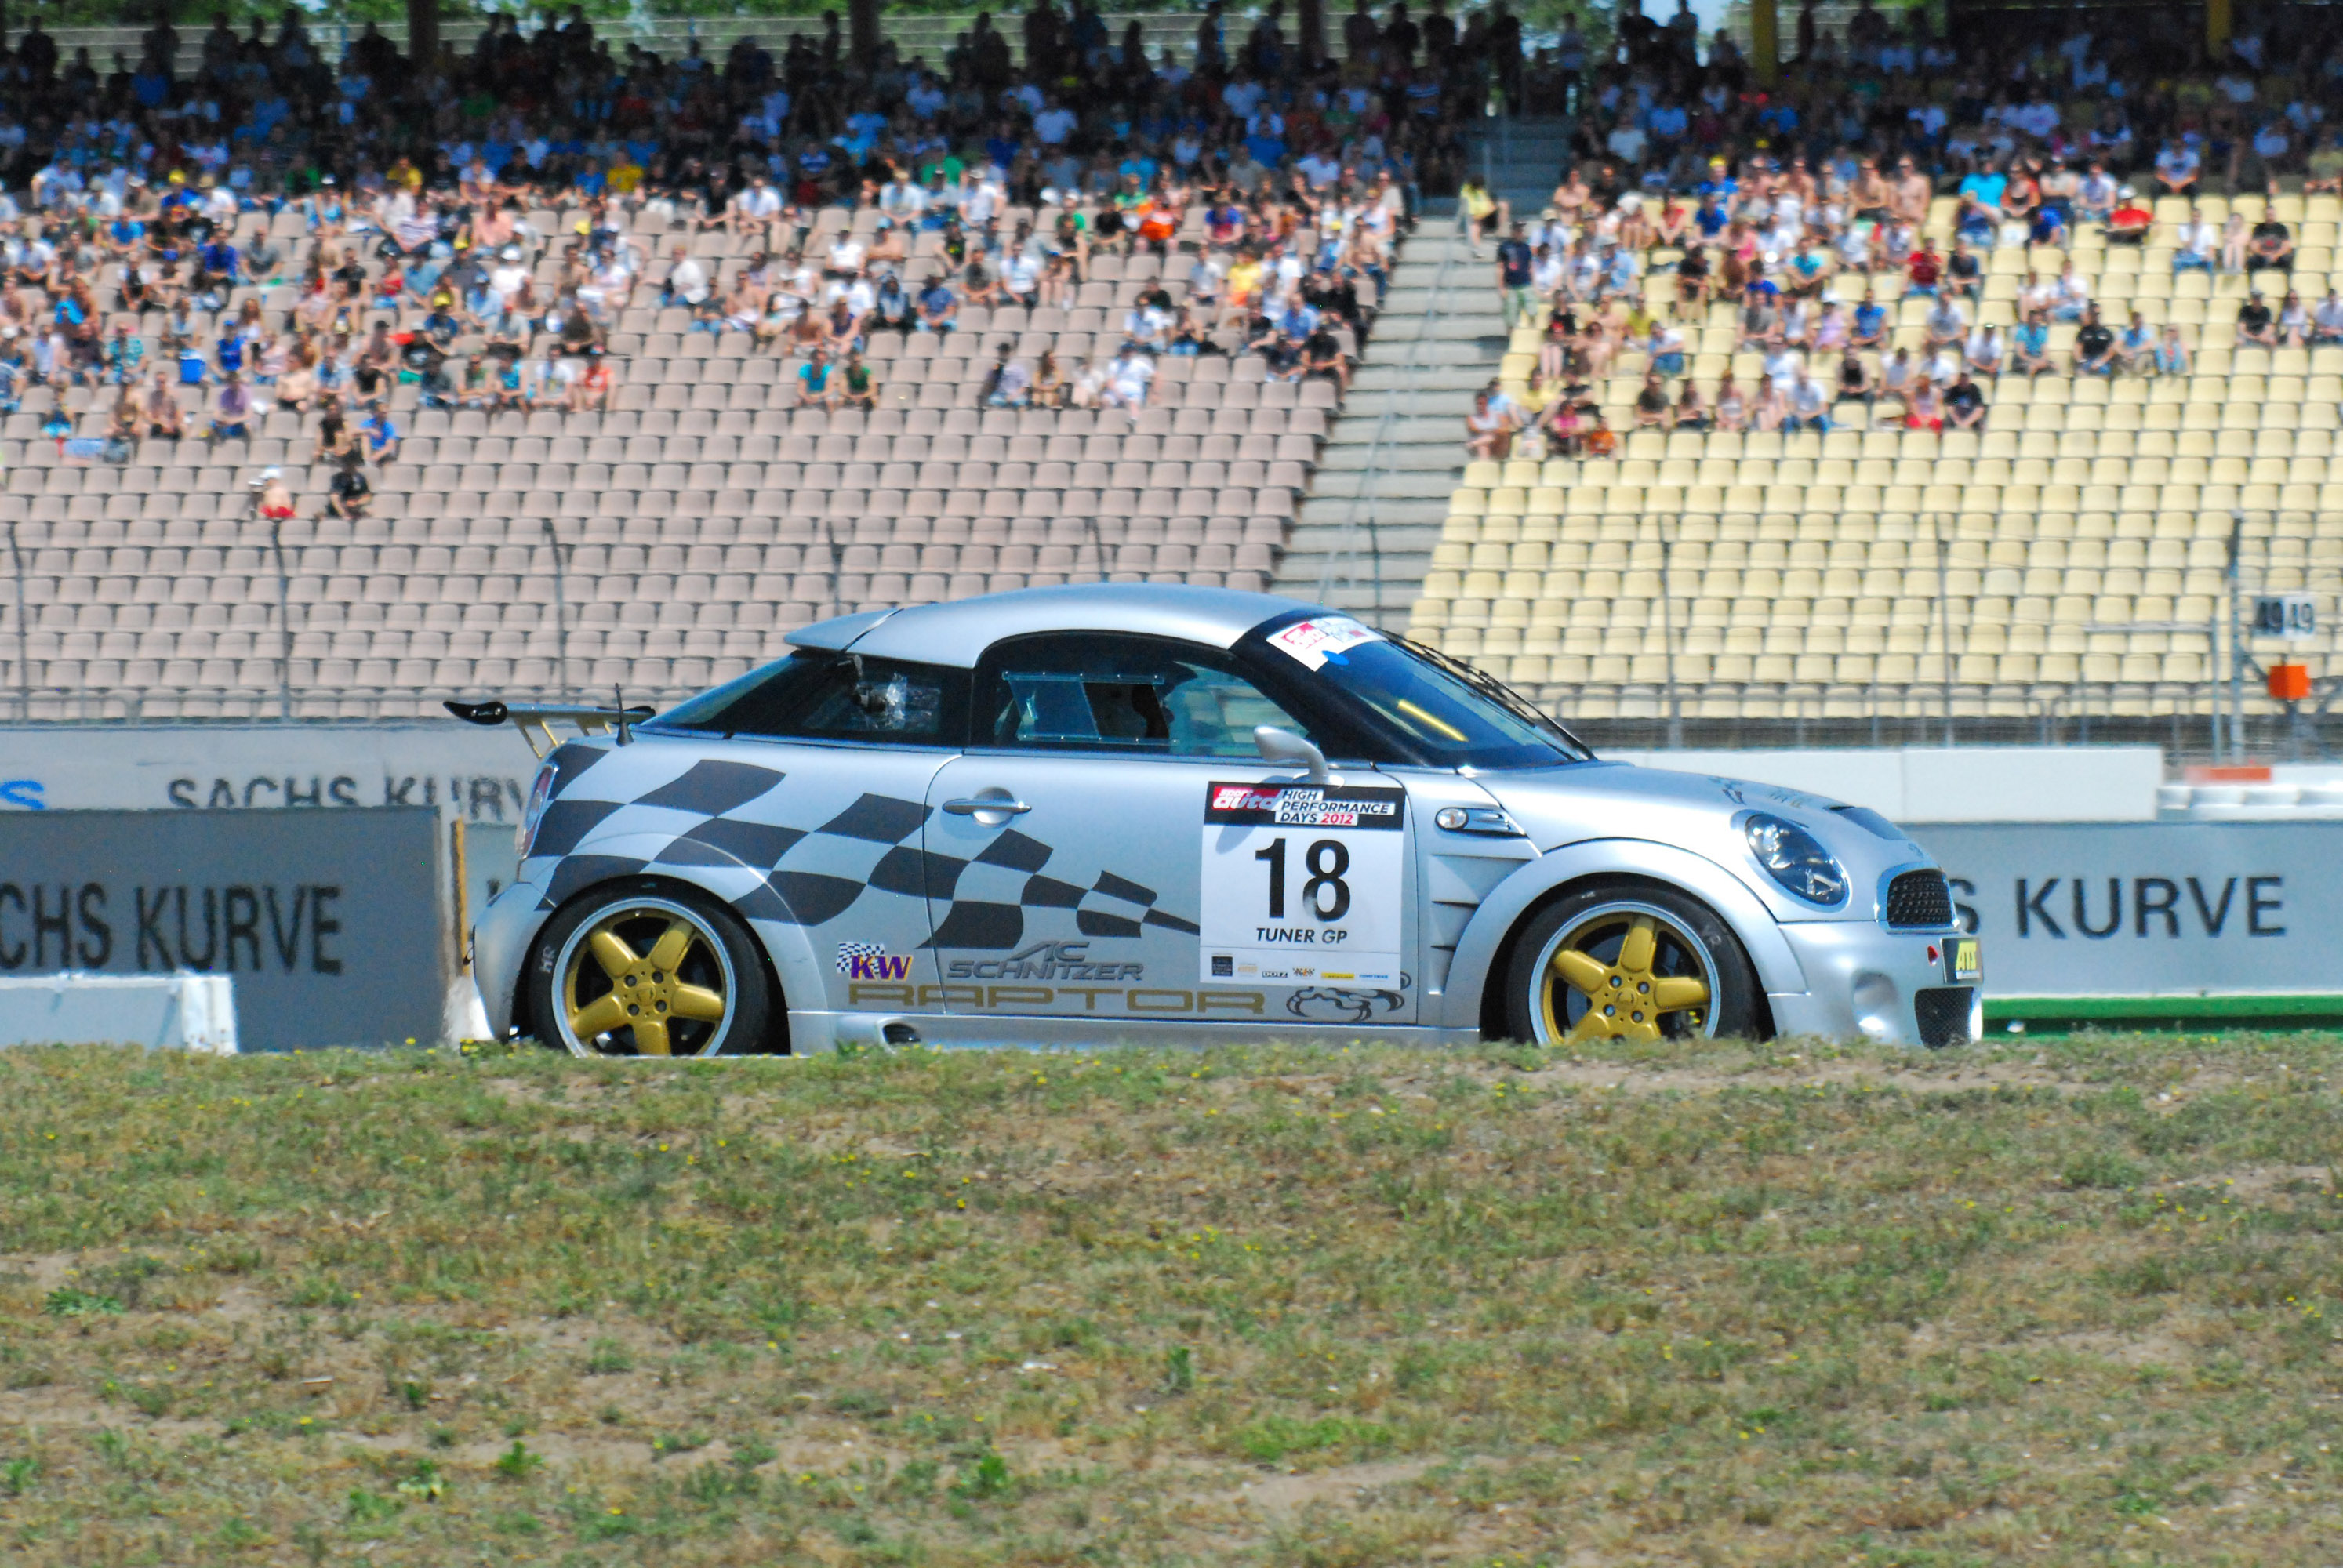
[(1364, 537)]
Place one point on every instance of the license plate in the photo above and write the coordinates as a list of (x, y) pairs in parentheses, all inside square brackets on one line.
[(1963, 961)]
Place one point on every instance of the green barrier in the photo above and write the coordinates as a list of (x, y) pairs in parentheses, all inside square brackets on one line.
[(2065, 1014)]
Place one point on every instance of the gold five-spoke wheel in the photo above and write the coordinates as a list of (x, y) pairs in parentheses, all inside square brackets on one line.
[(1624, 970), (646, 978)]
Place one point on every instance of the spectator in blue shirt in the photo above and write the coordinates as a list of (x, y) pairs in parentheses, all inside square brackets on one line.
[(380, 436), (1870, 322), (938, 308), (1987, 187), (2029, 346)]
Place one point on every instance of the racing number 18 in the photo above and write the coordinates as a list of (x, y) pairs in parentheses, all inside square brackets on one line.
[(1326, 894)]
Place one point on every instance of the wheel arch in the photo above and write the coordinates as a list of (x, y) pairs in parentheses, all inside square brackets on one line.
[(1486, 944), (789, 972)]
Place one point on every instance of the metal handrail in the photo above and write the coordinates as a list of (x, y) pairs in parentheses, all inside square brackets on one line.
[(1348, 549)]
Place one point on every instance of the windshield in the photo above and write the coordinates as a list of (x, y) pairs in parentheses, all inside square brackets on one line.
[(1441, 712)]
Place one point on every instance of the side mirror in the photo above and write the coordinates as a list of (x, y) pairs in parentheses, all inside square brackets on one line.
[(1284, 747)]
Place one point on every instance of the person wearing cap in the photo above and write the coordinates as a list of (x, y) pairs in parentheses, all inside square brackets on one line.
[(1516, 261), (2029, 345), (2130, 220), (1323, 357), (276, 497)]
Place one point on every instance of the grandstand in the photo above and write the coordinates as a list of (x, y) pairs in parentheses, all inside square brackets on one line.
[(1806, 563), (2069, 564), (673, 533), (2073, 554), (670, 542)]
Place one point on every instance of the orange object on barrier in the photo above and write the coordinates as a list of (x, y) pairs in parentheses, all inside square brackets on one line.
[(2289, 682)]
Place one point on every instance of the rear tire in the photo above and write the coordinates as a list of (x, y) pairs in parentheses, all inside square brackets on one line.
[(648, 969), (1629, 960)]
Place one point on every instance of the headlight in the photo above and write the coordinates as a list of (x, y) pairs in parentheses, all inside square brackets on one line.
[(1795, 859), (540, 795)]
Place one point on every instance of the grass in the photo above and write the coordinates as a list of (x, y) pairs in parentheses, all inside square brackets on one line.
[(2072, 1302)]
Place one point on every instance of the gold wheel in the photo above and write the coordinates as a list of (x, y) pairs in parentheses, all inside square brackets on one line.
[(1624, 970), (644, 978)]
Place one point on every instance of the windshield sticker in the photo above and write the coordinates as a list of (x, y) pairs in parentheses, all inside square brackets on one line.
[(1314, 642)]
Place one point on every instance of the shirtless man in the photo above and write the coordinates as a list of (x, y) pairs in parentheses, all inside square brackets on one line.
[(1907, 198), (1867, 198)]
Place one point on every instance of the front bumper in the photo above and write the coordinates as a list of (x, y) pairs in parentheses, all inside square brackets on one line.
[(501, 940), (1865, 982)]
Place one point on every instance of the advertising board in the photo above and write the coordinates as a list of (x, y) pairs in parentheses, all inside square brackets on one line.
[(2149, 909), (482, 775), (330, 924)]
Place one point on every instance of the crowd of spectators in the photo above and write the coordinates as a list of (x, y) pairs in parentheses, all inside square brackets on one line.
[(145, 254), (1792, 203)]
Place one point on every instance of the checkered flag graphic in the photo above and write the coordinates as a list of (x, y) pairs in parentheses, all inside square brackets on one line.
[(850, 951)]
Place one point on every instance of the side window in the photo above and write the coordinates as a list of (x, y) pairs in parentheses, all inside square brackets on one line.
[(1105, 692), (818, 695)]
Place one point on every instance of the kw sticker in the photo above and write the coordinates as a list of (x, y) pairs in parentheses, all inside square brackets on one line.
[(871, 961)]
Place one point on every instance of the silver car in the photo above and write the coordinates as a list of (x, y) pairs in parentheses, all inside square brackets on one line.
[(1137, 812)]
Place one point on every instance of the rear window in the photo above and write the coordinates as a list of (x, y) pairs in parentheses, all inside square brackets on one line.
[(818, 694)]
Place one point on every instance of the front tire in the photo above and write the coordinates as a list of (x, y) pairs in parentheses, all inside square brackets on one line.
[(1629, 960), (645, 969)]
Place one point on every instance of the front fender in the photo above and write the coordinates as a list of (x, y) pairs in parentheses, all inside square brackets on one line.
[(1483, 936), (740, 888)]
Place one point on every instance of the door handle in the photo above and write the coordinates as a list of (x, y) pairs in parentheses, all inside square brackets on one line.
[(1000, 805)]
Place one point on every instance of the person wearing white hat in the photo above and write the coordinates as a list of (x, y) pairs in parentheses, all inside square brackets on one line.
[(275, 498)]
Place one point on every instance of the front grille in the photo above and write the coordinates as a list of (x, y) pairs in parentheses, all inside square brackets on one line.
[(1943, 1015), (1920, 899)]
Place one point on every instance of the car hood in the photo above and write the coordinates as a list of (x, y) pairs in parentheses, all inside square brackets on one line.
[(1557, 807)]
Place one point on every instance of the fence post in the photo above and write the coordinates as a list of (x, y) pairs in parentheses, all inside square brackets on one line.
[(560, 609), (2236, 648), (24, 633), (284, 623), (1945, 618), (1668, 633)]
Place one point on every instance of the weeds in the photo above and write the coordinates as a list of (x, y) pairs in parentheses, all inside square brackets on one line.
[(2066, 1302)]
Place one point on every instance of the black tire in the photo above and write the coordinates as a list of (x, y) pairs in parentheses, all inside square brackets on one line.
[(1692, 949), (591, 998)]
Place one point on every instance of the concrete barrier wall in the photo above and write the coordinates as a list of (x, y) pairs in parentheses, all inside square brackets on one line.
[(2150, 908), (331, 924), (163, 1012), (482, 775)]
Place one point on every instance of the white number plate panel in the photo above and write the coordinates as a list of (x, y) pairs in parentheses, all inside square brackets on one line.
[(1301, 884)]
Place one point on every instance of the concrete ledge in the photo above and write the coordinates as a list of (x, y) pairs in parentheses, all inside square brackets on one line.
[(2065, 1014), (162, 1012)]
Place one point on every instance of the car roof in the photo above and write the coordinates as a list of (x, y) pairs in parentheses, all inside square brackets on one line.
[(958, 633)]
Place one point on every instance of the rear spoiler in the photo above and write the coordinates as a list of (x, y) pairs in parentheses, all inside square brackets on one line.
[(535, 720)]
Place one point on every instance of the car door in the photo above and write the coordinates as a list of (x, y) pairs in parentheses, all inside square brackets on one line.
[(1112, 832), (821, 831)]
